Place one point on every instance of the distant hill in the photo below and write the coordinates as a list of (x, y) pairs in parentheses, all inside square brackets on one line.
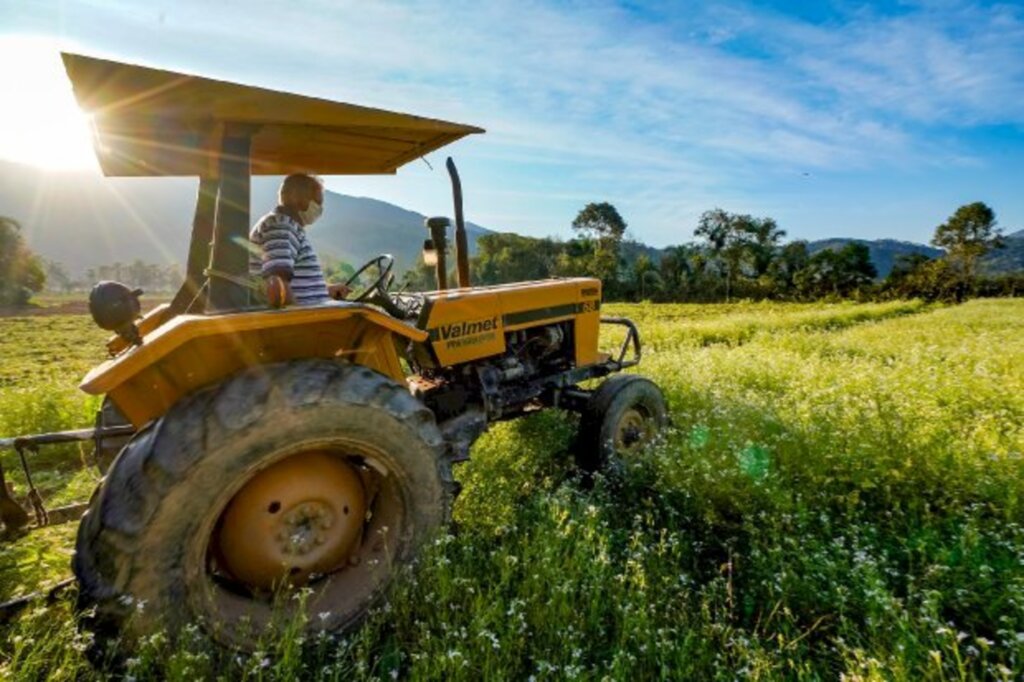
[(884, 252), (1008, 259), (631, 250), (83, 220)]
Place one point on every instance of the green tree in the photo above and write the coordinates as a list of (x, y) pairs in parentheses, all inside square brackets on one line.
[(917, 276), (763, 243), (966, 236), (600, 221), (510, 257), (420, 277), (588, 258), (646, 279), (728, 238), (602, 228), (858, 269), (677, 269), (905, 275), (788, 261), (837, 273), (21, 271)]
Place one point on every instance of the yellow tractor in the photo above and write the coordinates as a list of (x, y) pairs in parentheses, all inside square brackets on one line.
[(250, 449)]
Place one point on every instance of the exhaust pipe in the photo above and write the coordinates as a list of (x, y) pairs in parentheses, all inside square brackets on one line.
[(461, 241)]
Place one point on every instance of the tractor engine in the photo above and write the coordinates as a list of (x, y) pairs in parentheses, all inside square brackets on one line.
[(506, 385)]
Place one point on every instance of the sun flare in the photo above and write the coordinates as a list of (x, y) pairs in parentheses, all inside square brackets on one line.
[(40, 123)]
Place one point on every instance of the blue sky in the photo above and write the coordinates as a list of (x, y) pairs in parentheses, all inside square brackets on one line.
[(835, 118)]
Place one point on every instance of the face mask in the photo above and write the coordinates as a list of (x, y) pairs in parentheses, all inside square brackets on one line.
[(311, 214)]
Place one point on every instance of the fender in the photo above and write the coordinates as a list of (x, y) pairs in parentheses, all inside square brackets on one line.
[(190, 352)]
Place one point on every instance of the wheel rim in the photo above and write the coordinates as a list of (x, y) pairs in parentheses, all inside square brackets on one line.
[(298, 518), (635, 428), (233, 610)]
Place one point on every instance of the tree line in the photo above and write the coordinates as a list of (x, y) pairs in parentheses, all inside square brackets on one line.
[(741, 256), (24, 273), (734, 256), (150, 277)]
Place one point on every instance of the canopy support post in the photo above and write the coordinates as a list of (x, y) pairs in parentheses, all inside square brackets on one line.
[(229, 259), (199, 249)]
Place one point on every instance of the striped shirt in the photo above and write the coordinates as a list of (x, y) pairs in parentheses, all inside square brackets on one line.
[(285, 250)]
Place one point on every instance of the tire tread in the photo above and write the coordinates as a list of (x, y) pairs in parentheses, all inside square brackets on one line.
[(155, 459)]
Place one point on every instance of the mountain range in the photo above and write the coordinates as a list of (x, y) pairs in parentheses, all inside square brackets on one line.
[(1007, 259), (884, 252), (84, 220)]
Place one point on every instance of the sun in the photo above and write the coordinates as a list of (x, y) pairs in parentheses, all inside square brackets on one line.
[(40, 123)]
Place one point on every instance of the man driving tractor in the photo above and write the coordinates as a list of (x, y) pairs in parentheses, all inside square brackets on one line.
[(210, 507), (285, 258)]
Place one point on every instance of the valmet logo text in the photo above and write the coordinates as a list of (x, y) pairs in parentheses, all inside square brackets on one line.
[(467, 333)]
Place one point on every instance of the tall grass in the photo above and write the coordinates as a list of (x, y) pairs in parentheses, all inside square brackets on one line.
[(839, 495)]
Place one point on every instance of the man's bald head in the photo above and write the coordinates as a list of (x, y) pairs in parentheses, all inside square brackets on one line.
[(299, 189)]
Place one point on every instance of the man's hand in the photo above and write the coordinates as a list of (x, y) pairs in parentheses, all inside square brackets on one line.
[(338, 291), (279, 293)]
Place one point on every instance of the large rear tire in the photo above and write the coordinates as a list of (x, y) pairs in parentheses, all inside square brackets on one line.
[(151, 549), (622, 417)]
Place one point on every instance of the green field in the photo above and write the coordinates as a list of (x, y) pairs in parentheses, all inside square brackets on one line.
[(840, 494)]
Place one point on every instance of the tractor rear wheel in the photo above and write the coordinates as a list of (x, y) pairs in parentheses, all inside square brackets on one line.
[(622, 416), (310, 473)]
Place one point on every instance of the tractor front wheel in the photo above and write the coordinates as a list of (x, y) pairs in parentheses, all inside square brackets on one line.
[(621, 417), (311, 473)]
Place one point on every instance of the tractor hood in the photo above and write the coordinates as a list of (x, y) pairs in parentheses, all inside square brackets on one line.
[(149, 122)]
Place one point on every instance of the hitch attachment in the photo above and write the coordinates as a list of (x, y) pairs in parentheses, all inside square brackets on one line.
[(13, 515)]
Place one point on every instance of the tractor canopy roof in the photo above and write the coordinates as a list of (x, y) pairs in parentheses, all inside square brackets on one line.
[(149, 122)]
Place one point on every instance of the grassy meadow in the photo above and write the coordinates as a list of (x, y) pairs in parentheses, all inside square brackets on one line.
[(841, 494)]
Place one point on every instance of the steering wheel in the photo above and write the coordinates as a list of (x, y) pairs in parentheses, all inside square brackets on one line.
[(384, 262)]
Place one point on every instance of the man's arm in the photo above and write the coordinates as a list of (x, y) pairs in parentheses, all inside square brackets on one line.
[(280, 246)]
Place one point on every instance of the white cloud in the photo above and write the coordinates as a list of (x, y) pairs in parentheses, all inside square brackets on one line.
[(595, 100)]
